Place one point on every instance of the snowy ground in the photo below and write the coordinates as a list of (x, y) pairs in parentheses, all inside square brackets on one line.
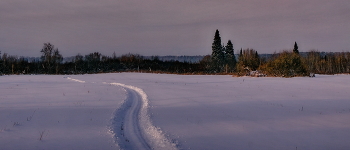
[(195, 112)]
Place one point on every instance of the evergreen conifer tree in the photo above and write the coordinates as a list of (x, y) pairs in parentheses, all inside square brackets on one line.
[(240, 58), (217, 53), (257, 60), (295, 50), (230, 59), (241, 52)]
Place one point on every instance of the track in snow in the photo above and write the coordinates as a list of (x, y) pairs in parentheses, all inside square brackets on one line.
[(131, 124), (126, 123)]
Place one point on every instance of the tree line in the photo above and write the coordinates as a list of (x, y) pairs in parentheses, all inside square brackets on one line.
[(223, 60), (51, 62), (287, 63)]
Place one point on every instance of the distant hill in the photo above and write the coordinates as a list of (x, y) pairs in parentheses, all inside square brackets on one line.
[(190, 59)]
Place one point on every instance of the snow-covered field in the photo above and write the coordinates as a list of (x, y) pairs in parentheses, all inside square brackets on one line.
[(145, 111)]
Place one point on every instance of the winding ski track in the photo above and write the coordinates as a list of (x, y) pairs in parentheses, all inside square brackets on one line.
[(131, 124), (126, 123)]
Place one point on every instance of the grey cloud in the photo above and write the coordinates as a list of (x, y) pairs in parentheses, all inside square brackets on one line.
[(183, 27)]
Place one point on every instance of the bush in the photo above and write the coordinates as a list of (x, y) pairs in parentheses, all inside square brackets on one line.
[(285, 64)]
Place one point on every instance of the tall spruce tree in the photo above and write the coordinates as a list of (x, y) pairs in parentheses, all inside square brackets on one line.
[(230, 59), (295, 49), (217, 53), (240, 57)]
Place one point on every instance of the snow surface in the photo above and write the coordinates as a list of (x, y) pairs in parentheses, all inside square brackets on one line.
[(70, 115), (195, 112)]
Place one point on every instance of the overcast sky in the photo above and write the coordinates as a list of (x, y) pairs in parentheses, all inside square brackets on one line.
[(176, 27)]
